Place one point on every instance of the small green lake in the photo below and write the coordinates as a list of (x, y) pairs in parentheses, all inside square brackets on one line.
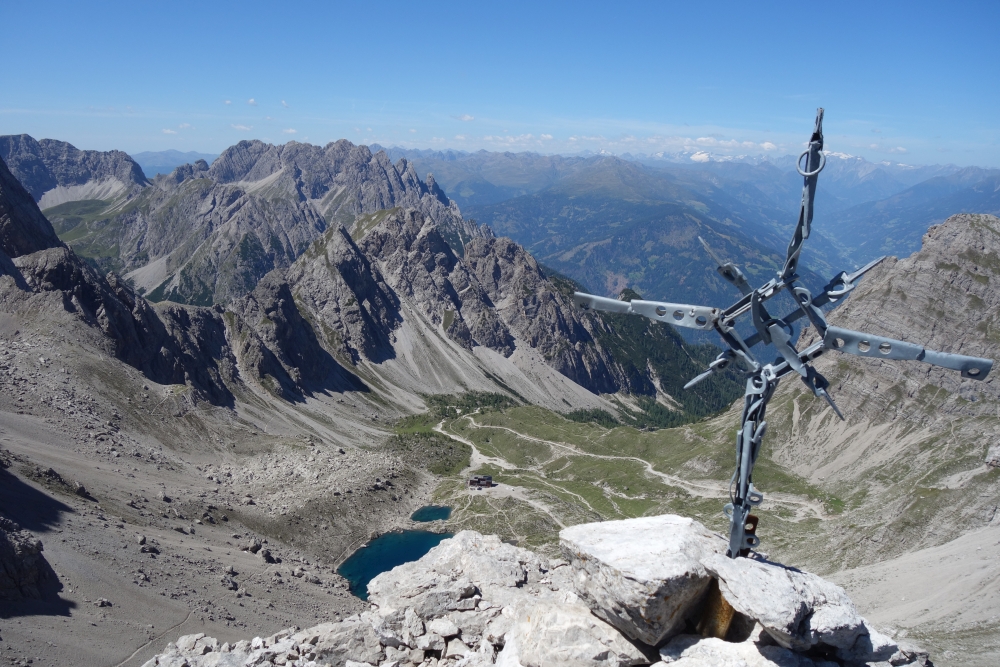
[(384, 553), (432, 513)]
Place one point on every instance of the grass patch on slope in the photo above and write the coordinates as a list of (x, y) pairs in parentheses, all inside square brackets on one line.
[(563, 472)]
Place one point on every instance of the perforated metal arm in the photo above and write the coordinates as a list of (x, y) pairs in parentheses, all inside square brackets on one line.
[(867, 345), (678, 314)]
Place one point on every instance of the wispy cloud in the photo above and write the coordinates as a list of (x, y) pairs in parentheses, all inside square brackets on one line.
[(889, 149), (464, 117), (252, 102), (228, 102), (284, 104), (412, 131), (184, 126), (513, 140), (268, 118), (546, 137), (289, 131), (460, 137), (242, 128), (166, 131)]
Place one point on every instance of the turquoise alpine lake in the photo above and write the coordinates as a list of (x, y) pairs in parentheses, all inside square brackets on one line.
[(432, 513), (384, 553)]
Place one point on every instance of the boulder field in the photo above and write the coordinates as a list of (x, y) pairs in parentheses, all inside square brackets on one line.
[(647, 591)]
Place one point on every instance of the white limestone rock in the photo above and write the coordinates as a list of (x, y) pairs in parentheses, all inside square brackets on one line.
[(443, 626), (798, 609), (695, 651), (350, 639), (453, 572), (456, 604), (456, 649), (643, 575), (993, 456), (568, 635)]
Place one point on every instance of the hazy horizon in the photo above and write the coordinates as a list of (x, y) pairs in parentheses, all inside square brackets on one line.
[(901, 82)]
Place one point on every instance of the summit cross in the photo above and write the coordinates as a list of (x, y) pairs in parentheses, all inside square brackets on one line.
[(762, 378)]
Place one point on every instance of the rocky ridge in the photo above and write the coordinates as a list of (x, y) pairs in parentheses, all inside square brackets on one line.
[(23, 568), (55, 172), (634, 592), (206, 234)]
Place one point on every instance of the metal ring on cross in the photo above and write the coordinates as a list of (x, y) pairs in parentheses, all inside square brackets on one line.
[(807, 174)]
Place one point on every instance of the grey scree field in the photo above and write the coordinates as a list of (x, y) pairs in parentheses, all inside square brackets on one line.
[(762, 379)]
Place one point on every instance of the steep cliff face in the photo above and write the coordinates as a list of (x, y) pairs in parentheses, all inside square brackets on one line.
[(54, 172), (421, 267), (173, 346), (343, 179), (540, 315), (197, 242), (411, 284), (205, 235), (23, 228)]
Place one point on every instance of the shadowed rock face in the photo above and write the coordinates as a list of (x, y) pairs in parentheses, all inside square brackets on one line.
[(174, 346), (43, 165), (23, 568), (23, 228)]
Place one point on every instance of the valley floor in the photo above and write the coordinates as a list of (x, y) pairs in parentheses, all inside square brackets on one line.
[(553, 473)]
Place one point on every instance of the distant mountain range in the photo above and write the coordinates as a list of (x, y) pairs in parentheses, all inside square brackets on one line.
[(600, 219), (154, 163), (207, 234)]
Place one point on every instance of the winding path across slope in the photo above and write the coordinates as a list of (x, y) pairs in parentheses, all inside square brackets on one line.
[(699, 488)]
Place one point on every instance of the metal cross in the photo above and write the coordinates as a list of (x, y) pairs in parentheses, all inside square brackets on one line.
[(762, 379)]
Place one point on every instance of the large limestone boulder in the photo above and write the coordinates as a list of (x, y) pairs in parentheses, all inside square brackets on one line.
[(455, 571), (566, 635), (474, 601), (643, 576), (797, 609)]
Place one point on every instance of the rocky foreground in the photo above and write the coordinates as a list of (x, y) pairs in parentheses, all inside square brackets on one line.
[(653, 590)]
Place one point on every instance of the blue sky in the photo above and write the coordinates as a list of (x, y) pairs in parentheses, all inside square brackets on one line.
[(911, 82)]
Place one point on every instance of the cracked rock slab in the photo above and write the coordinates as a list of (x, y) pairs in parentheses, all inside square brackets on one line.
[(799, 610), (643, 576)]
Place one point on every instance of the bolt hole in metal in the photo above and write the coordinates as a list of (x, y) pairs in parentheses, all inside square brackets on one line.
[(661, 311), (885, 348), (678, 315), (701, 320), (864, 346), (973, 372), (839, 343)]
